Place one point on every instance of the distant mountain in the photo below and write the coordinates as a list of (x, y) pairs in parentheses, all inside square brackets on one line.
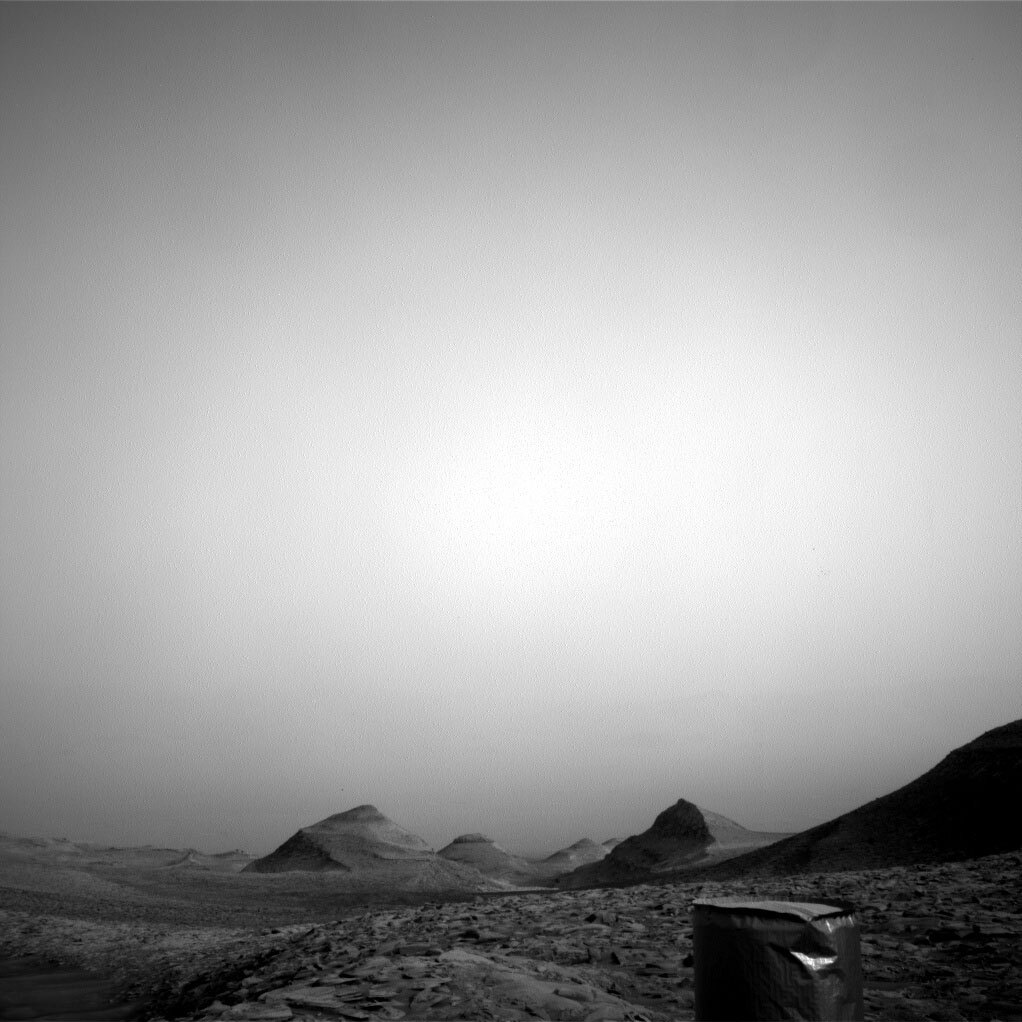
[(731, 839), (62, 852), (357, 839), (678, 836), (965, 807), (580, 853), (583, 852), (485, 855), (370, 851), (220, 862)]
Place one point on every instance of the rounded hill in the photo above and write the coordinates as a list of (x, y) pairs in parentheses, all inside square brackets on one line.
[(485, 855)]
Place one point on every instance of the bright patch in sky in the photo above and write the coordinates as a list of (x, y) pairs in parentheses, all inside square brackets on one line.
[(516, 417)]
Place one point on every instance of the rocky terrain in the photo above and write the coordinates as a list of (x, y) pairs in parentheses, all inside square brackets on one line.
[(354, 918), (939, 942)]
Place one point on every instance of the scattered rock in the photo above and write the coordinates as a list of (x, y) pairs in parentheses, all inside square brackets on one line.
[(947, 949)]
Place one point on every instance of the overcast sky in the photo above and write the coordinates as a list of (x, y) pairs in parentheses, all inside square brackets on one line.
[(515, 417)]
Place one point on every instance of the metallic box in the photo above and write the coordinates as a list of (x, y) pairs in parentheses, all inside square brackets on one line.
[(775, 960)]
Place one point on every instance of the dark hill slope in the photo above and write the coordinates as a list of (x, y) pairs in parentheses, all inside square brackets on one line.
[(963, 808), (679, 836)]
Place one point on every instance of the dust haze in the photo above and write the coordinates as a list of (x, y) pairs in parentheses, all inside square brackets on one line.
[(513, 417)]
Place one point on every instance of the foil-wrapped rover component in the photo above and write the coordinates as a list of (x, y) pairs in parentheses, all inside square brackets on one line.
[(775, 960)]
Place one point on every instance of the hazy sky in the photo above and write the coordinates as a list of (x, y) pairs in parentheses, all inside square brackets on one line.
[(516, 417)]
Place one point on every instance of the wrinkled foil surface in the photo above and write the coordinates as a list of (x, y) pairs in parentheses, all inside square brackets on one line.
[(775, 960)]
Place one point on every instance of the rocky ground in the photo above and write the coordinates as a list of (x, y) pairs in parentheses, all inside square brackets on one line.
[(939, 942)]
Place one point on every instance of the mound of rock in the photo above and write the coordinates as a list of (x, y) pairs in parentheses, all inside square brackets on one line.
[(961, 809), (358, 840), (579, 854), (484, 854), (678, 837), (679, 834)]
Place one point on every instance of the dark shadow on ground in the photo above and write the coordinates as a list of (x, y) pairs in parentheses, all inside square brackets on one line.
[(36, 987)]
